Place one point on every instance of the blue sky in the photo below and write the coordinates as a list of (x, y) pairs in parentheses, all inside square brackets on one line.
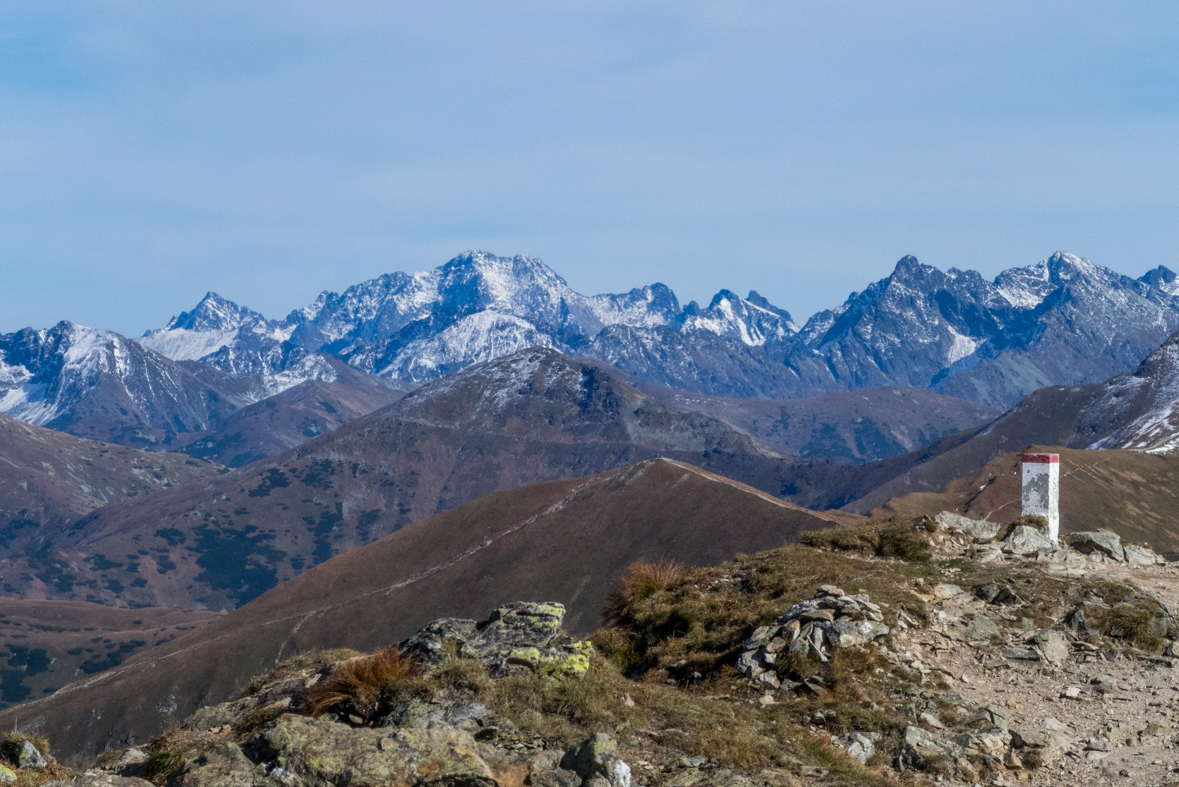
[(152, 151)]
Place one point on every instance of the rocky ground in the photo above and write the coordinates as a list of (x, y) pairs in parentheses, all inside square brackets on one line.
[(905, 652), (1103, 713)]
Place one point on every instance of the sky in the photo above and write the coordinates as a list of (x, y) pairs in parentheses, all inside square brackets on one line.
[(150, 152)]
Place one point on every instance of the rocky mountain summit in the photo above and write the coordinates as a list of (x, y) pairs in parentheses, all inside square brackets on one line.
[(902, 652)]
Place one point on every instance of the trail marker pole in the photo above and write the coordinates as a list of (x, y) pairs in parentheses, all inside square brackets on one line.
[(1041, 490)]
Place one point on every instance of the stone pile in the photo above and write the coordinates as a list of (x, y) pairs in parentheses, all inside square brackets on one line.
[(812, 629)]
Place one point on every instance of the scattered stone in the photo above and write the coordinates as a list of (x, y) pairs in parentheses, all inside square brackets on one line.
[(1098, 541), (931, 720), (1071, 693), (1052, 647), (860, 746), (944, 590), (980, 628)]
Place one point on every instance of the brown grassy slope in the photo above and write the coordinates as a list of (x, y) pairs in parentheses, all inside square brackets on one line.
[(560, 541), (1133, 494), (49, 481), (848, 427), (51, 477), (526, 418), (46, 644)]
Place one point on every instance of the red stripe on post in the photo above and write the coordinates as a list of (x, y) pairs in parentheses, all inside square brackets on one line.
[(1043, 459)]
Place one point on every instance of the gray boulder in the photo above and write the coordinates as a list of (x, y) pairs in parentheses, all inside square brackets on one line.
[(597, 758), (1025, 540), (30, 757), (974, 528), (1103, 541), (1142, 556), (1053, 648), (860, 746)]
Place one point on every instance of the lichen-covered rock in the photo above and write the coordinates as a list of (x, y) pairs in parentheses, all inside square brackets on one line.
[(7, 774), (597, 758), (1102, 541), (974, 528), (321, 753), (522, 635), (225, 765), (30, 757)]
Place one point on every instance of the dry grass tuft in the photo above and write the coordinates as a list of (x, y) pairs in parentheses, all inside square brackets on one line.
[(166, 755), (1128, 622), (641, 581), (358, 682)]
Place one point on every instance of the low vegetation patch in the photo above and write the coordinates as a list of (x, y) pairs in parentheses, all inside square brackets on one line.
[(904, 538)]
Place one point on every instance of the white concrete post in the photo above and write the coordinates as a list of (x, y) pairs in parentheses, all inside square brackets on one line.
[(1041, 490)]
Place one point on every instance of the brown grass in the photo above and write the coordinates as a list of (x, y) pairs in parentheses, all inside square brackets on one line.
[(1128, 622), (641, 581), (900, 537), (358, 682), (166, 755)]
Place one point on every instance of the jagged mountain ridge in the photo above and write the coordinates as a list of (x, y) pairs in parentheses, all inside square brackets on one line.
[(1063, 320), (100, 385), (1135, 410)]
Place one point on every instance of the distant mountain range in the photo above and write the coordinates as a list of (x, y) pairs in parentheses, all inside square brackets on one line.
[(1062, 321)]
